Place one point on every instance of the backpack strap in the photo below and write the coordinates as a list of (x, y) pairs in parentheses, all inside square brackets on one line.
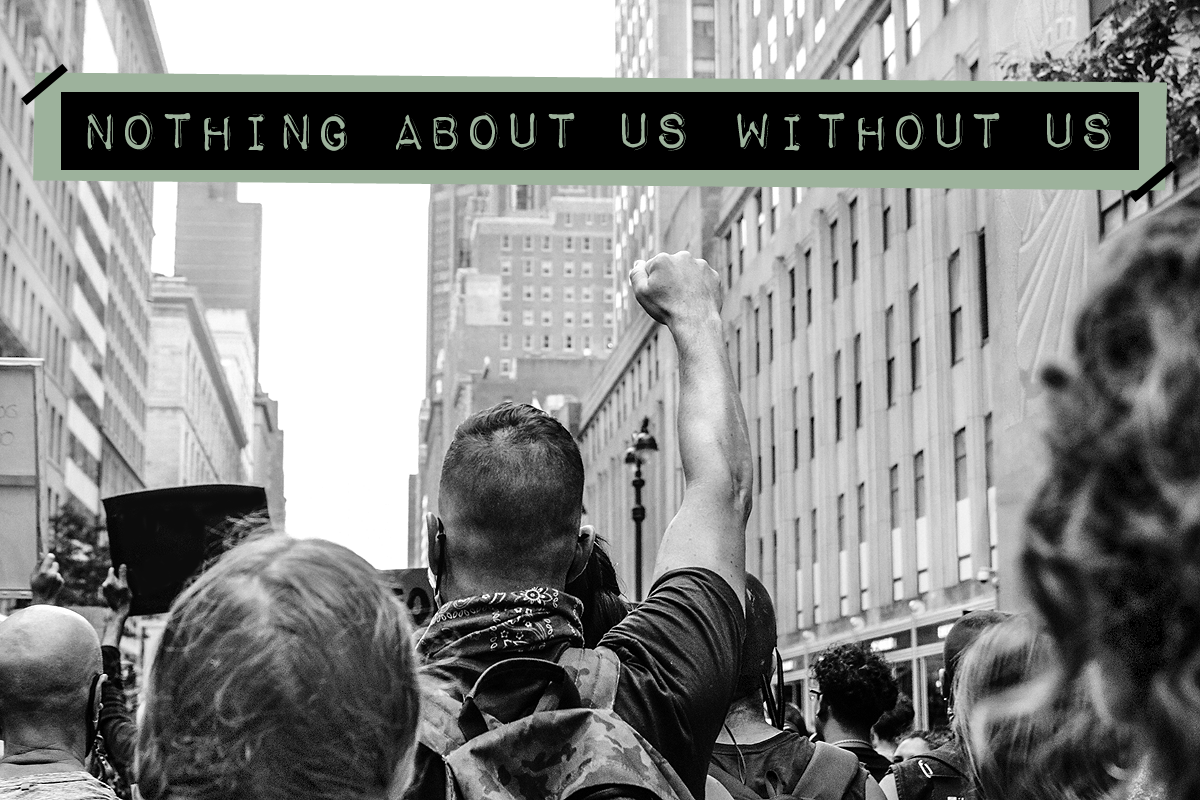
[(829, 773), (438, 729), (727, 779), (595, 672)]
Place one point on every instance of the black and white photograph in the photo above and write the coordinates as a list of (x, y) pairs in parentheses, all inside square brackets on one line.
[(383, 490)]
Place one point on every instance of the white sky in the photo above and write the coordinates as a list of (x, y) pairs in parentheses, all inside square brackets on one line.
[(343, 285)]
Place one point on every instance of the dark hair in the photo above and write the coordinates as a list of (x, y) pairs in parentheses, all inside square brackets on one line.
[(894, 722), (758, 648), (963, 632), (857, 682), (511, 488), (598, 590), (1112, 555), (794, 719), (285, 671)]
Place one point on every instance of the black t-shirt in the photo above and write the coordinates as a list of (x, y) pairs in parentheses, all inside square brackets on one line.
[(872, 761), (785, 756), (680, 652)]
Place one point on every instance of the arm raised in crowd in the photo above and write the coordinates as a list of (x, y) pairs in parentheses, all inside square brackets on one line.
[(116, 724), (684, 293)]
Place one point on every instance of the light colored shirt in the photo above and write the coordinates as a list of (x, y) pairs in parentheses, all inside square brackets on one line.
[(55, 786)]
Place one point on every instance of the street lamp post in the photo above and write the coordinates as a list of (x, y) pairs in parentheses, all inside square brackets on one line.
[(642, 442)]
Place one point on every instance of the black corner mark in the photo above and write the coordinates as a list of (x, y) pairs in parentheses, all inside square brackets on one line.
[(45, 83), (1158, 176)]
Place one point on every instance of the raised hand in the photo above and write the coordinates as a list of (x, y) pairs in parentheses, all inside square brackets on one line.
[(675, 288), (46, 582), (116, 591)]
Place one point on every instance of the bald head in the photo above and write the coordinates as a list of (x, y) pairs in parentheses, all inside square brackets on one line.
[(48, 658)]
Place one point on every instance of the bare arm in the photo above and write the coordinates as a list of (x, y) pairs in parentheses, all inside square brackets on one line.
[(709, 530)]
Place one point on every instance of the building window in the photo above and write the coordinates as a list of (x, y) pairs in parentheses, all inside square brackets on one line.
[(608, 319), (547, 269), (585, 319), (912, 28), (773, 445), (527, 339), (587, 345), (854, 240), (833, 256), (988, 478), (984, 328), (856, 69), (527, 243), (506, 291), (894, 496), (816, 569), (743, 236), (808, 292), (960, 464), (585, 269), (586, 244), (568, 294), (757, 346), (756, 60), (774, 204), (547, 341), (812, 420), (527, 267), (914, 322), (762, 220), (910, 210), (608, 270), (758, 452), (547, 294), (547, 318), (887, 28), (569, 244), (792, 300), (569, 319), (858, 386), (506, 266), (585, 294), (770, 328), (956, 310), (566, 218), (608, 245), (922, 531), (505, 242), (772, 38), (887, 227), (795, 429), (506, 318), (801, 59), (889, 346), (729, 259), (527, 317), (505, 366), (527, 292), (837, 396), (609, 295), (546, 243), (506, 341), (568, 343), (919, 484)]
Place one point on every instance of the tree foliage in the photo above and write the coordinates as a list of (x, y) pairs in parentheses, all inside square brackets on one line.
[(1138, 41), (80, 545)]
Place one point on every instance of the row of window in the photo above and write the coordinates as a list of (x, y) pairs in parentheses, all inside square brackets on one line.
[(568, 318), (586, 293), (33, 320), (586, 268), (530, 343), (625, 396), (586, 244)]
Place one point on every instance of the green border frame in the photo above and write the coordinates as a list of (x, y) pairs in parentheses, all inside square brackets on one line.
[(1152, 134)]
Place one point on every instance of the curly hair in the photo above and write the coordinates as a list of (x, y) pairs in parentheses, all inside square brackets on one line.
[(1112, 555), (897, 720), (1025, 736), (284, 672), (856, 682)]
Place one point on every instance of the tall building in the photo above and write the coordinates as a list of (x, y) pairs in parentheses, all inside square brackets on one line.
[(218, 247), (528, 315), (268, 456), (195, 429), (885, 341)]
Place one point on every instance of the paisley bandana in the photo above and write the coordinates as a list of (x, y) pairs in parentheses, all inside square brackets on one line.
[(493, 626)]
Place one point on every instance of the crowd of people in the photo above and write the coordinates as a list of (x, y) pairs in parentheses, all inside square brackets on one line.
[(289, 670)]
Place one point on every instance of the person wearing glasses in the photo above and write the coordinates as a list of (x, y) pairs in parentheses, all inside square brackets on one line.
[(855, 688), (50, 675)]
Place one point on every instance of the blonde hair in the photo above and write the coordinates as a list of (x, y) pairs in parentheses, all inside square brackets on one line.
[(1026, 734)]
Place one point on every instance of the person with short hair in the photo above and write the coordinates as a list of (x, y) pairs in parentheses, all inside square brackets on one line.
[(285, 672), (752, 758), (1110, 556), (508, 539), (50, 675), (855, 686)]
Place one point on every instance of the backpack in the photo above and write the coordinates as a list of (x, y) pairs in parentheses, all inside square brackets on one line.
[(931, 776), (831, 774), (571, 747)]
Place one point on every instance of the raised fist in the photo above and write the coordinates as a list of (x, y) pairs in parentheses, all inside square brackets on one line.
[(116, 591), (46, 582), (675, 288)]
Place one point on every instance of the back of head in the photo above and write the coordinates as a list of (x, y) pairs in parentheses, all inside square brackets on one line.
[(597, 588), (285, 671), (49, 657), (1027, 737), (965, 630), (1113, 547), (512, 495), (758, 648), (856, 683), (896, 721)]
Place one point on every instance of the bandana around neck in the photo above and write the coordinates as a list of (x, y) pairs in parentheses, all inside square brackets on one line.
[(502, 623)]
